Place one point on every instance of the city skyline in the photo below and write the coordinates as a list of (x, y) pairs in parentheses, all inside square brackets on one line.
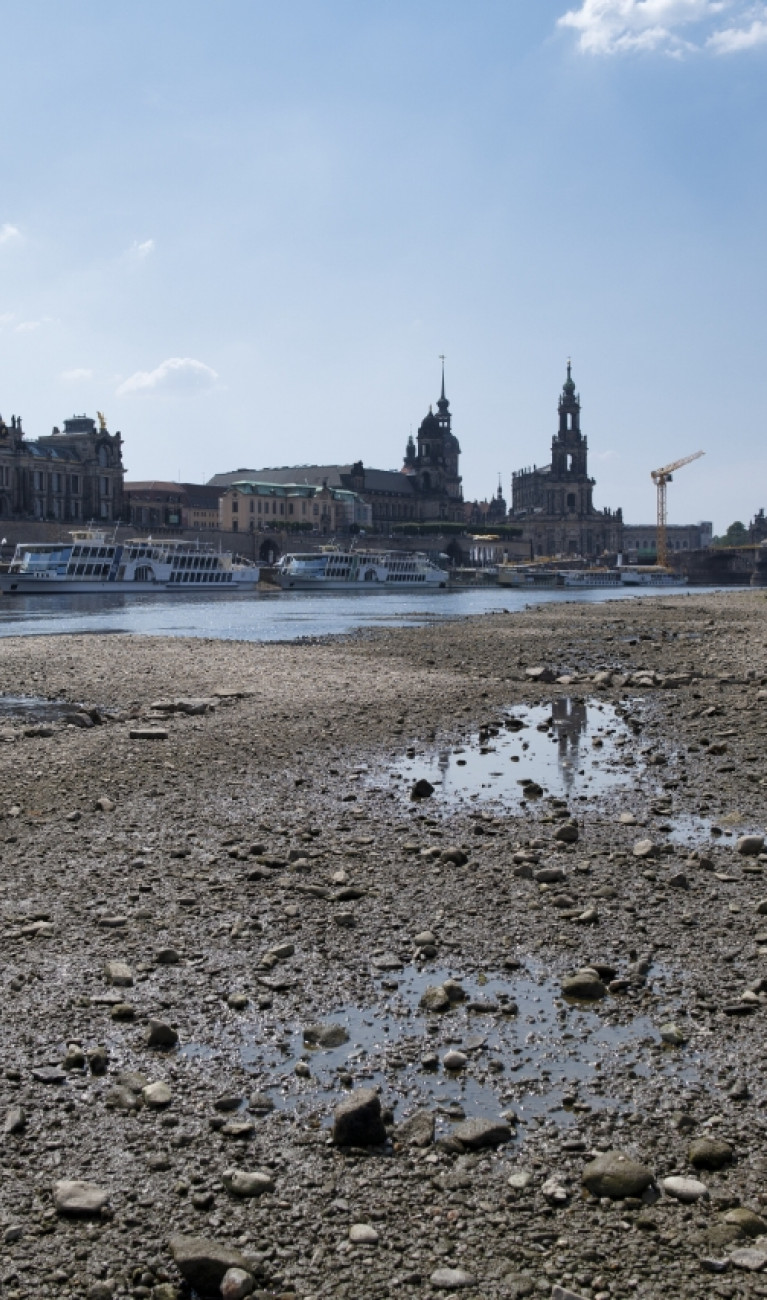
[(247, 235)]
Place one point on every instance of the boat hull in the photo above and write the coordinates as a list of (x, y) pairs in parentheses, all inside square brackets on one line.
[(17, 585), (289, 583)]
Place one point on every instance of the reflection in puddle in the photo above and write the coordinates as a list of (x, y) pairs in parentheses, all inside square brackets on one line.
[(526, 1051), (563, 747)]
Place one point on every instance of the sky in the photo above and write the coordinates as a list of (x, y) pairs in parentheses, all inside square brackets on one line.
[(247, 232)]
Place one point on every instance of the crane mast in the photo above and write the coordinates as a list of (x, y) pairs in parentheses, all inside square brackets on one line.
[(661, 478)]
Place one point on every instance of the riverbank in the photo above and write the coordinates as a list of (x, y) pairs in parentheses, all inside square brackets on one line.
[(244, 863)]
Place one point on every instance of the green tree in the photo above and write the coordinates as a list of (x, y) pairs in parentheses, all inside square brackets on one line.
[(736, 535)]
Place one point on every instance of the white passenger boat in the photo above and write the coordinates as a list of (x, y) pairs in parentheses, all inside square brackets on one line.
[(339, 570), (590, 577), (650, 576), (91, 563)]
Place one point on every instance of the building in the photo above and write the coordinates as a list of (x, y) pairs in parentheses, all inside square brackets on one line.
[(486, 513), (640, 546), (72, 475), (426, 489), (555, 503), (252, 506), (163, 506)]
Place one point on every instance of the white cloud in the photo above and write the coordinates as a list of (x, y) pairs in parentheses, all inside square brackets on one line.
[(9, 232), (176, 377), (141, 250), (672, 26), (76, 376), (27, 326), (6, 317), (731, 40)]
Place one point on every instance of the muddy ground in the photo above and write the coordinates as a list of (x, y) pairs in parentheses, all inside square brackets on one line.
[(254, 867)]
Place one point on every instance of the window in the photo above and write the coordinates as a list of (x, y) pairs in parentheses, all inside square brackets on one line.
[(74, 482), (235, 526), (235, 505), (38, 480), (56, 481), (104, 486), (252, 506)]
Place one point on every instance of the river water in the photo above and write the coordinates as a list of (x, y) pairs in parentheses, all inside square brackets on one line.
[(282, 616)]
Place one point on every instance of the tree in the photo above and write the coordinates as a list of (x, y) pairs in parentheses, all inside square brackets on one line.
[(736, 535)]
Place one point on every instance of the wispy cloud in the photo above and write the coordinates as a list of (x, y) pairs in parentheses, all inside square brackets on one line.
[(176, 377), (27, 326), (76, 376), (673, 27), (140, 251), (9, 232)]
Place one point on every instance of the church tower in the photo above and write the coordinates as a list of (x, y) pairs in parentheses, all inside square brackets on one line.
[(568, 446), (435, 463)]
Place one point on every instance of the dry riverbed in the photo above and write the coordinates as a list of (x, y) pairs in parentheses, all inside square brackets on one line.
[(271, 1024)]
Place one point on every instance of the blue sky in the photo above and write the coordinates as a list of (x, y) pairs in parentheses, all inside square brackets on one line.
[(247, 231)]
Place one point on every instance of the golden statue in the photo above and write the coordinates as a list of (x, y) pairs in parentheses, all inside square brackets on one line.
[(102, 421)]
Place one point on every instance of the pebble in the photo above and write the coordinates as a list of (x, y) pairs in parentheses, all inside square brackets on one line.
[(478, 1133), (455, 1060), (241, 1182), (161, 1034), (616, 1175), (710, 1153), (363, 1234), (119, 974), (584, 984), (236, 1284), (685, 1189), (79, 1199), (450, 1279), (157, 1095)]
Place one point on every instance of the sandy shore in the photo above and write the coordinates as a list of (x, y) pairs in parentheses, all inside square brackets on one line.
[(244, 862)]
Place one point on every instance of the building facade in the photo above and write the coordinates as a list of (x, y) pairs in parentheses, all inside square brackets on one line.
[(71, 475), (554, 503), (640, 545), (249, 507), (165, 506)]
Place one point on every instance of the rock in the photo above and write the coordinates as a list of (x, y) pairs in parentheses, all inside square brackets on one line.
[(747, 1221), (148, 733), (79, 1199), (555, 1192), (434, 998), (237, 1284), (672, 1034), (242, 1183), (422, 789), (98, 1060), (15, 1120), (454, 1060), (168, 957), (519, 1180), (450, 1279), (616, 1175), (710, 1153), (454, 854), (749, 1259), (564, 1293), (541, 673), (646, 849), (157, 1095), (750, 845), (455, 991), (363, 1234), (417, 1130), (478, 1133), (326, 1035), (567, 833), (685, 1189), (627, 819), (75, 1058), (119, 974), (584, 984), (549, 875), (161, 1034), (105, 804), (204, 1263), (357, 1120)]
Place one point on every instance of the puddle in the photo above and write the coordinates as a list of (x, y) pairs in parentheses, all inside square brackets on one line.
[(544, 1061), (567, 747), (696, 831), (33, 708)]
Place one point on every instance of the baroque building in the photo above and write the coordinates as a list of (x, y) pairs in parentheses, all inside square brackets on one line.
[(554, 503), (71, 475)]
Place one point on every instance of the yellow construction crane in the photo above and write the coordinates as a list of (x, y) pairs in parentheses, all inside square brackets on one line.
[(660, 478)]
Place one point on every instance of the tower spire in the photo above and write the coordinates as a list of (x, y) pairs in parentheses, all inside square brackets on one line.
[(442, 359)]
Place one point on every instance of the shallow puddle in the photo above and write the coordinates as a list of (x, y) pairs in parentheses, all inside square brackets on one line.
[(567, 747), (33, 708), (527, 1052)]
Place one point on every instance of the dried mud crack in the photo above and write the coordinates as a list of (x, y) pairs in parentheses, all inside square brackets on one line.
[(272, 1026)]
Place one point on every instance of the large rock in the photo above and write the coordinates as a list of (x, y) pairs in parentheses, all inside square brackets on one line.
[(357, 1121), (584, 984), (710, 1153), (750, 845), (477, 1133), (417, 1130), (241, 1182), (79, 1199), (327, 1036), (616, 1175), (204, 1263)]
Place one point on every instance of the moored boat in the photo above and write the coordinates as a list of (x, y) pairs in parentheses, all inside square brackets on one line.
[(91, 563), (341, 570)]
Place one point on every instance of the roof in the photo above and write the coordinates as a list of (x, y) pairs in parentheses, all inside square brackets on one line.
[(336, 476)]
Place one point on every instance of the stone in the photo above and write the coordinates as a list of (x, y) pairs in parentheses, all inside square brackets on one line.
[(148, 733), (236, 1284), (105, 804), (672, 1035), (646, 849), (747, 1221), (455, 855), (119, 974), (584, 984), (478, 1133), (455, 1060), (327, 1036), (750, 845), (564, 1293), (204, 1262), (363, 1234), (567, 833), (541, 673), (15, 1120), (434, 998), (616, 1176), (157, 1095), (79, 1199), (450, 1279), (243, 1183), (519, 1180), (161, 1034), (749, 1259), (421, 789), (555, 1192), (710, 1153), (357, 1120), (417, 1130), (687, 1190)]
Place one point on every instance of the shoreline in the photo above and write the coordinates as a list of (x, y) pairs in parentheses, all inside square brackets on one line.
[(265, 836)]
